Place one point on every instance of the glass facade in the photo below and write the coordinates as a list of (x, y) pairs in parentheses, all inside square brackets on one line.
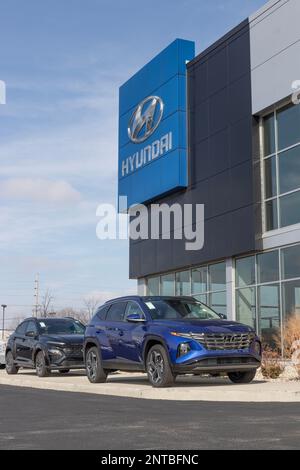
[(268, 290), (281, 162), (206, 283)]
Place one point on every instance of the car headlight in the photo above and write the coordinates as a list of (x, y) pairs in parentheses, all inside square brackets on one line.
[(182, 335), (55, 352)]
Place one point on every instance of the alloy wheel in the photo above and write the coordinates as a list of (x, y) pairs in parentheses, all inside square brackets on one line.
[(92, 365), (156, 366)]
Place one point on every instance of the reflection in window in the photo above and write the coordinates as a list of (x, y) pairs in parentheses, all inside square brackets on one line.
[(289, 209), (245, 271), (183, 286), (291, 298), (218, 302), (153, 286), (246, 306), (289, 170), (269, 312), (167, 286), (288, 126), (268, 267), (217, 277), (282, 168), (290, 262), (199, 280)]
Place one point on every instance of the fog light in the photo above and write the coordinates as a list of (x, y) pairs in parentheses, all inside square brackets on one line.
[(183, 349), (55, 352)]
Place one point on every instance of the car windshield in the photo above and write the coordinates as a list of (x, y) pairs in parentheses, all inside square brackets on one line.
[(61, 326), (179, 309)]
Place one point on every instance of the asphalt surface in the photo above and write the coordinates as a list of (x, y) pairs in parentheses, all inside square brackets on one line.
[(44, 419)]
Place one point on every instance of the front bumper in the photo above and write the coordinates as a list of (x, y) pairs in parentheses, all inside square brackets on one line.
[(62, 360), (218, 364)]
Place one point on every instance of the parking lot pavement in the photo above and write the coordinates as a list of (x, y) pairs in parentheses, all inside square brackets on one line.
[(47, 419), (186, 388)]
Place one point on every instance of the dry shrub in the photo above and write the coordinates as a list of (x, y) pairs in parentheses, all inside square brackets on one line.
[(291, 333), (271, 367)]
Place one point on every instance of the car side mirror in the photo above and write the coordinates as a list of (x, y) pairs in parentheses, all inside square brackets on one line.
[(31, 334), (135, 318), (222, 316)]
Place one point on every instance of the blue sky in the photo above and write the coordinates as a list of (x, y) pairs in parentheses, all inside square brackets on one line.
[(63, 61)]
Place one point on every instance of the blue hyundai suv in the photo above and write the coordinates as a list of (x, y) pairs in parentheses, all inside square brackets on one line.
[(166, 337)]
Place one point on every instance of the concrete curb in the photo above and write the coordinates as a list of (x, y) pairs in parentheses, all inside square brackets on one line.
[(186, 388)]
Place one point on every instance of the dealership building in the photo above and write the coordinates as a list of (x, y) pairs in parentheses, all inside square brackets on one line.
[(222, 129)]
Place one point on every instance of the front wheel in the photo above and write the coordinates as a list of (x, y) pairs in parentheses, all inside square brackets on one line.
[(94, 370), (158, 367), (40, 365), (242, 377), (10, 366)]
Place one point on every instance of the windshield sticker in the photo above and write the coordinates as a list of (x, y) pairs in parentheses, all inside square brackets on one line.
[(150, 305), (42, 324)]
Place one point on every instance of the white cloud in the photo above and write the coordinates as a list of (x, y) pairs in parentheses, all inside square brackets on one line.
[(39, 190)]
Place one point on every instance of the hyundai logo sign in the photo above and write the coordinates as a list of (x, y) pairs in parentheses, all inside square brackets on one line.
[(145, 119)]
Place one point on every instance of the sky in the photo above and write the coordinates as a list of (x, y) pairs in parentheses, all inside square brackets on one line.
[(63, 62)]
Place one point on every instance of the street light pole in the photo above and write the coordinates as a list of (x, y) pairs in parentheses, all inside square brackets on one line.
[(3, 315)]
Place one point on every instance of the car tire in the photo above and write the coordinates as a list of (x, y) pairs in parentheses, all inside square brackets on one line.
[(40, 365), (10, 366), (64, 371), (158, 367), (93, 365), (242, 377), (2, 366)]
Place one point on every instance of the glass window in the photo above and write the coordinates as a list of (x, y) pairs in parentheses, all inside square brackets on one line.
[(183, 286), (291, 298), (199, 280), (268, 267), (133, 309), (270, 177), (167, 286), (116, 312), (289, 209), (246, 306), (271, 215), (153, 286), (289, 170), (217, 301), (245, 271), (290, 262), (31, 326), (22, 328), (288, 126), (217, 277), (202, 298), (61, 326), (269, 135), (101, 312), (173, 309), (269, 312)]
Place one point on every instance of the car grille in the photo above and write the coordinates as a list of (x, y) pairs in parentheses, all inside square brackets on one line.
[(74, 350), (227, 341)]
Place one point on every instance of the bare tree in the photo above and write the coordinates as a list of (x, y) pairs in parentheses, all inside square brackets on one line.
[(90, 306), (46, 305), (80, 315)]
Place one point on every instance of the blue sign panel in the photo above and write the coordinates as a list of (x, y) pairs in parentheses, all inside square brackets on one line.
[(152, 126)]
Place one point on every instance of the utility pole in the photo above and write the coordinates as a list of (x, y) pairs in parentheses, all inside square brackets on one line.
[(3, 315), (36, 294)]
